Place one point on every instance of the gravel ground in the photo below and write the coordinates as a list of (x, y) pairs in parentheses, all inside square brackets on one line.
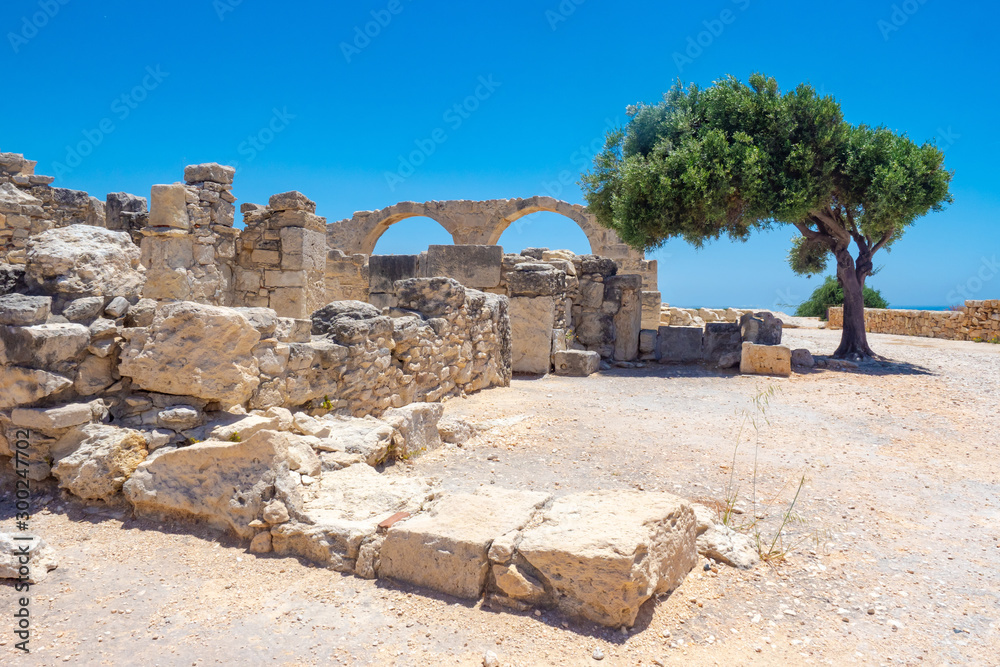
[(891, 554)]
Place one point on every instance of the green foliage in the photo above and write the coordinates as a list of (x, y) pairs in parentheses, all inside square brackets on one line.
[(808, 257), (326, 404), (734, 158), (830, 293), (235, 437)]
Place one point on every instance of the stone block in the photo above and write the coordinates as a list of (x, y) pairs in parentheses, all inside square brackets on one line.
[(526, 281), (50, 419), (385, 270), (531, 322), (446, 548), (23, 386), (722, 338), (680, 344), (291, 201), (803, 358), (168, 207), (647, 341), (766, 360), (651, 302), (602, 554), (476, 266), (577, 363), (382, 300), (303, 249), (761, 328), (290, 302), (44, 345), (285, 278), (210, 171), (628, 319), (294, 218), (20, 310)]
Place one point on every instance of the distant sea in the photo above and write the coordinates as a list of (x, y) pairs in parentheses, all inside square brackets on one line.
[(894, 307)]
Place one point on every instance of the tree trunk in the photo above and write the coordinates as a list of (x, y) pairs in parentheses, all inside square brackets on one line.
[(854, 338)]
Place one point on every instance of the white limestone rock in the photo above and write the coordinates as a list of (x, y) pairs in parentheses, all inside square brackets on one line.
[(42, 558), (197, 350), (85, 261), (95, 460)]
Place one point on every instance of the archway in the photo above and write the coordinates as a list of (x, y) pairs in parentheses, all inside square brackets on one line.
[(406, 234), (544, 229)]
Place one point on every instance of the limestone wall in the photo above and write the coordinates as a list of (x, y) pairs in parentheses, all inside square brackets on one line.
[(976, 320)]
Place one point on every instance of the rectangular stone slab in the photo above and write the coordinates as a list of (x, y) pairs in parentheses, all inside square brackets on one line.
[(446, 548), (476, 266), (604, 553)]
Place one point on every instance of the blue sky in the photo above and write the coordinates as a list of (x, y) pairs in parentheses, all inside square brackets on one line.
[(292, 93)]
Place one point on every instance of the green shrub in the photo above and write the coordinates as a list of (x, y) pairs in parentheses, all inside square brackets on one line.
[(830, 293)]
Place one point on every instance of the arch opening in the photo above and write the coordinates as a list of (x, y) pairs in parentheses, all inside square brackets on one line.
[(543, 229), (406, 234)]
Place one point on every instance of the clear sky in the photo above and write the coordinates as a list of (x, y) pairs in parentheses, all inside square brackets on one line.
[(303, 99)]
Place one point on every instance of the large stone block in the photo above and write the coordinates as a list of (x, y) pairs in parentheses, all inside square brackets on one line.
[(766, 360), (576, 363), (49, 419), (680, 344), (24, 386), (81, 260), (530, 280), (168, 207), (44, 345), (761, 328), (651, 302), (291, 201), (385, 270), (446, 548), (20, 310), (475, 266), (602, 554), (210, 171), (197, 350), (628, 319), (721, 338), (531, 322), (303, 249), (98, 459)]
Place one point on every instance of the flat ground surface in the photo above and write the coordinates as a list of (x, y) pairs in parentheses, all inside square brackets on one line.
[(892, 551)]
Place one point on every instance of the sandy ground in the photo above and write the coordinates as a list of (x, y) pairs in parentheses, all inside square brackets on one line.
[(893, 550)]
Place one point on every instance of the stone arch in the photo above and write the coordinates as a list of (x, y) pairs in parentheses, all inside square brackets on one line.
[(360, 233), (518, 208)]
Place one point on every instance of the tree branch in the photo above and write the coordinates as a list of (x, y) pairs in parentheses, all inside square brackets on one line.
[(881, 243)]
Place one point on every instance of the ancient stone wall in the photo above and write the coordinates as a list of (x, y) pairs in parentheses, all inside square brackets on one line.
[(976, 320), (282, 256)]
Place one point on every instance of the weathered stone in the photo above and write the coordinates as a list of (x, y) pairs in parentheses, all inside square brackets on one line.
[(95, 373), (141, 314), (261, 543), (604, 553), (803, 358), (721, 543), (24, 386), (647, 342), (517, 584), (445, 549), (577, 363), (417, 426), (275, 512), (85, 309), (766, 360), (168, 207), (531, 324), (761, 328), (117, 308), (100, 459), (44, 345), (244, 427), (730, 359), (680, 344), (211, 171), (194, 350), (23, 311), (434, 297), (81, 260), (50, 419), (370, 438), (330, 317), (179, 417), (721, 338), (525, 282), (346, 510), (476, 266), (385, 270), (628, 319), (264, 320), (225, 484), (455, 431), (41, 558), (291, 330), (291, 201)]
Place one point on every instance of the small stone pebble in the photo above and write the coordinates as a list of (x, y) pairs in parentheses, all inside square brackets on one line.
[(490, 659), (598, 654)]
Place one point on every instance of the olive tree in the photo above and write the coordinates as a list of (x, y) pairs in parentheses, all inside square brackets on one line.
[(734, 158)]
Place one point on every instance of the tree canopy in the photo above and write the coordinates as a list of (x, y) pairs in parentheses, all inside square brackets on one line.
[(735, 158)]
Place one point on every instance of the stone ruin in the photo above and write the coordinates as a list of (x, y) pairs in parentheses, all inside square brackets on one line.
[(247, 379)]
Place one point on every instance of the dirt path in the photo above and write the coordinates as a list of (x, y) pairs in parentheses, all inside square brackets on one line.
[(894, 551)]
